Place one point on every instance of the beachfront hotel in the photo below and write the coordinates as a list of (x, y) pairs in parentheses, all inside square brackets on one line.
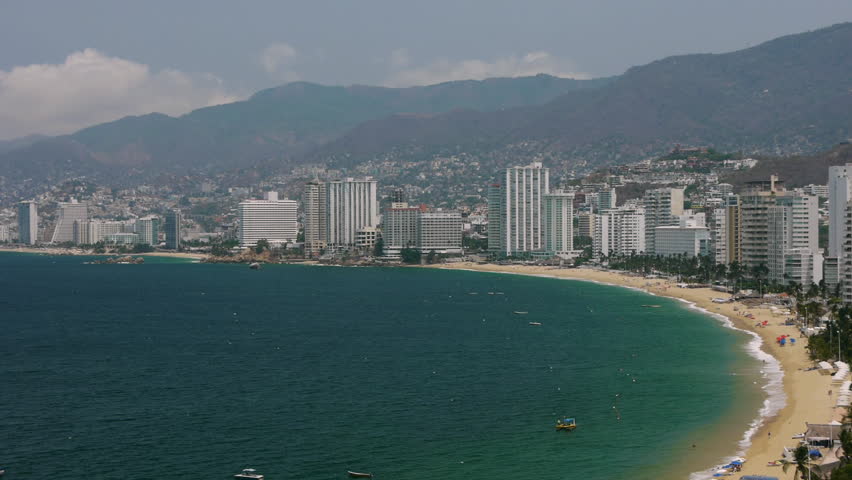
[(662, 207), (27, 222), (619, 231), (336, 211), (559, 223), (271, 219), (148, 229), (171, 228), (313, 201), (515, 208), (69, 212)]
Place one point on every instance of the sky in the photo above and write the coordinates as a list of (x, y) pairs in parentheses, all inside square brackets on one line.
[(67, 65)]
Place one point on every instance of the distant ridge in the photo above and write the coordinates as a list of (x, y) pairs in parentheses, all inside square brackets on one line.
[(786, 96), (791, 95)]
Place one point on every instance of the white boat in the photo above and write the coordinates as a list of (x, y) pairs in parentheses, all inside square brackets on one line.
[(535, 324), (520, 313), (249, 474)]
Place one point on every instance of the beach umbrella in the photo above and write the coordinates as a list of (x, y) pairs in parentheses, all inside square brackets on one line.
[(736, 462)]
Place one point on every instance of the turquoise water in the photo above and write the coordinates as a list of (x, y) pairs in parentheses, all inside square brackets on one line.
[(197, 371)]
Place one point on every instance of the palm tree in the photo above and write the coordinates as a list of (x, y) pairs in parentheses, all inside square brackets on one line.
[(803, 458)]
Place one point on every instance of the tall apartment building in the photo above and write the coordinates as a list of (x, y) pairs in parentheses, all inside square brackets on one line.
[(69, 212), (27, 222), (148, 229), (845, 257), (690, 241), (5, 234), (171, 228), (839, 195), (271, 219), (559, 223), (726, 234), (662, 208), (315, 211), (440, 232), (620, 231), (515, 210), (400, 228), (605, 200), (89, 232), (336, 211), (777, 223), (350, 205), (586, 225)]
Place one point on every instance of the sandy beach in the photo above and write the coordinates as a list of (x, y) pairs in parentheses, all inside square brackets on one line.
[(807, 392), (67, 251)]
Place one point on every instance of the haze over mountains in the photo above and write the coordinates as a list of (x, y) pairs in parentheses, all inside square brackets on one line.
[(787, 96)]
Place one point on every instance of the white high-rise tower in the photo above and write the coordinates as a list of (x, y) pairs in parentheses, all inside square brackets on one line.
[(69, 212), (516, 207)]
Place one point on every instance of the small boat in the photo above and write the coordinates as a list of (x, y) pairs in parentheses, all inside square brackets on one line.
[(520, 313), (535, 324), (249, 474), (799, 435), (566, 424), (773, 463), (254, 266), (651, 306), (359, 474)]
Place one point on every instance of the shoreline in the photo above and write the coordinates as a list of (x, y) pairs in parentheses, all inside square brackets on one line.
[(70, 252), (791, 395)]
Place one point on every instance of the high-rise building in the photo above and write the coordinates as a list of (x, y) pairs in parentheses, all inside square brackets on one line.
[(315, 218), (619, 231), (269, 219), (559, 223), (350, 205), (726, 234), (682, 240), (5, 235), (27, 223), (605, 200), (69, 212), (515, 210), (440, 232), (662, 208), (775, 222), (839, 195), (586, 225), (400, 228), (172, 229), (148, 229), (845, 257)]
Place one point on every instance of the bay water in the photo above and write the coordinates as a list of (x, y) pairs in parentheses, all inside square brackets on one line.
[(183, 370)]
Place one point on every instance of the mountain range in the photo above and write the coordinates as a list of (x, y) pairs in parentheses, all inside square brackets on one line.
[(791, 95)]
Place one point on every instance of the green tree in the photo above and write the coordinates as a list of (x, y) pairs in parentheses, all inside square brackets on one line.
[(846, 443), (842, 473), (430, 258), (410, 256), (262, 244), (379, 248), (801, 454), (142, 248)]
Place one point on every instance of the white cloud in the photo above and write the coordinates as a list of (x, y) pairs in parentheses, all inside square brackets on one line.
[(444, 70), (90, 87), (277, 59)]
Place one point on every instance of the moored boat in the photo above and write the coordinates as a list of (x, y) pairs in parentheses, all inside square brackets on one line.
[(518, 312), (249, 474), (535, 324), (359, 474), (566, 424)]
